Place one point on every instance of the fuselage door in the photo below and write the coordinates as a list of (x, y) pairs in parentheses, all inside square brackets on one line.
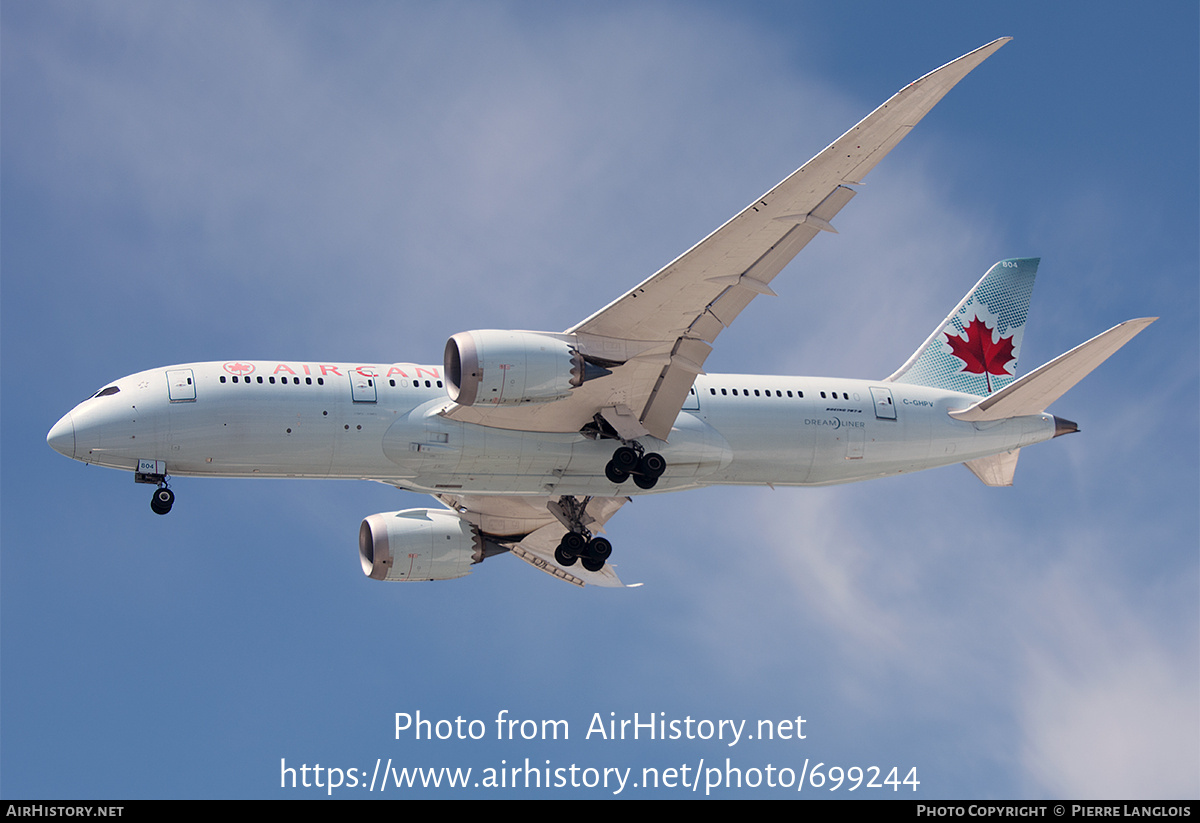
[(362, 387), (181, 385), (885, 409)]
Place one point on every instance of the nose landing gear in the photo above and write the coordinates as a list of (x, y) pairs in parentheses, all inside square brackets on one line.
[(154, 473)]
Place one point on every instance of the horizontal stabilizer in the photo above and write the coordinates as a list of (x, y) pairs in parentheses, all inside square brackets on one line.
[(996, 469), (1035, 391)]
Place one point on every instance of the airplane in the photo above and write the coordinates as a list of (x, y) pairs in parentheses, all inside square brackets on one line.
[(531, 441)]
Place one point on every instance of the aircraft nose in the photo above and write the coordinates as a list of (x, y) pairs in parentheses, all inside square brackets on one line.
[(62, 437)]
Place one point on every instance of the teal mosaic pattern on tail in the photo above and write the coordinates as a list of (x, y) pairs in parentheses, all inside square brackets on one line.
[(976, 349)]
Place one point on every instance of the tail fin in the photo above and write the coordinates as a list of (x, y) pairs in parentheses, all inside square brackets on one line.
[(975, 349)]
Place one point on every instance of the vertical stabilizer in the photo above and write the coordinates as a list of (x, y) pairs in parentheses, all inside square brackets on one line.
[(975, 349)]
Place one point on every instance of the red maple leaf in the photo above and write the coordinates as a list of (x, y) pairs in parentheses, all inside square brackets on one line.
[(239, 368), (980, 353)]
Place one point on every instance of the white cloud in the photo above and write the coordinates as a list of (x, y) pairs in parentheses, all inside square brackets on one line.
[(1107, 702)]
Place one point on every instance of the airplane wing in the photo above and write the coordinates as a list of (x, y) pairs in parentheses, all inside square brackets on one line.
[(655, 338), (527, 527)]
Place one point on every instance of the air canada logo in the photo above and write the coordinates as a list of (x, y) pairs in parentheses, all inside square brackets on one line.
[(239, 368), (983, 351)]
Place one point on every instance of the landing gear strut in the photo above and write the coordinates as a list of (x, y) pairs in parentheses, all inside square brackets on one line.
[(634, 461), (163, 499)]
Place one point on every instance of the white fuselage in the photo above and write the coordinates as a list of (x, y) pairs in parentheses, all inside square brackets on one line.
[(381, 422)]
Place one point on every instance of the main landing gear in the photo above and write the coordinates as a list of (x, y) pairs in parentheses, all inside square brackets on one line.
[(578, 543), (163, 499), (631, 458), (633, 461), (591, 552)]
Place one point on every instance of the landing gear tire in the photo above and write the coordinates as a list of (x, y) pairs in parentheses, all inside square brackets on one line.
[(592, 564), (562, 557), (644, 482), (652, 465), (599, 549), (625, 459), (570, 548), (615, 473), (162, 500), (574, 543)]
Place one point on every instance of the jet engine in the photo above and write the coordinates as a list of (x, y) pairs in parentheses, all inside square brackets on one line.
[(418, 544), (509, 368)]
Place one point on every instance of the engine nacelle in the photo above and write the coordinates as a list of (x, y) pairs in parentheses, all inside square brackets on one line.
[(418, 544), (509, 368)]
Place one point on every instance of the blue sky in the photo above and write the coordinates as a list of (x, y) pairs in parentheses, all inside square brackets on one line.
[(359, 181)]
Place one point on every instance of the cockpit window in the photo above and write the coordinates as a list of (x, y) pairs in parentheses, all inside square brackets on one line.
[(105, 392)]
